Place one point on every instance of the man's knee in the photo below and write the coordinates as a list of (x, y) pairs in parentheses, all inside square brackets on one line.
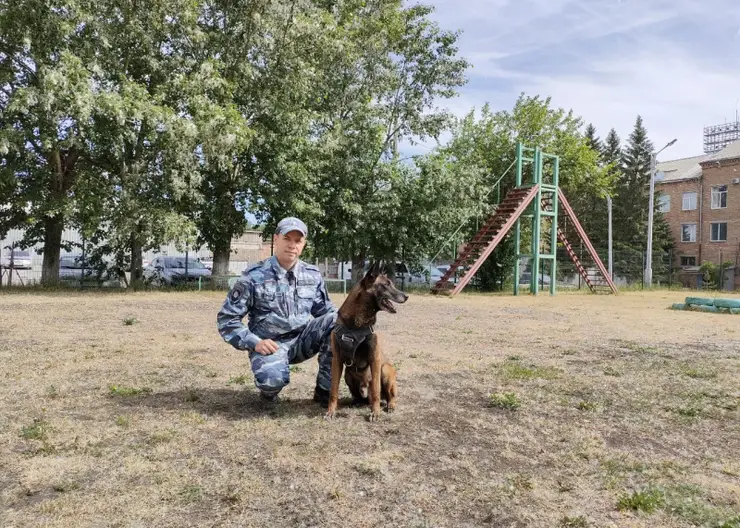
[(270, 375)]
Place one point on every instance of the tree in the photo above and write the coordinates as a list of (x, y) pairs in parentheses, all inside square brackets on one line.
[(632, 203), (611, 152), (148, 126), (47, 78), (384, 69), (592, 140)]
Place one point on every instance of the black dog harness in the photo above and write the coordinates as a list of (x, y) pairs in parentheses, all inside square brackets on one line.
[(348, 341)]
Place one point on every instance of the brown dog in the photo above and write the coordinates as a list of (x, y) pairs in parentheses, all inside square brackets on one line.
[(354, 344)]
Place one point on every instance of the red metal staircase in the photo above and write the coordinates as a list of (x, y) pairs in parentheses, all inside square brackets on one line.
[(485, 241), (598, 280)]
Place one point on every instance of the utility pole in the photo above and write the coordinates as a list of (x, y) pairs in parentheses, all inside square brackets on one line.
[(648, 271), (611, 259)]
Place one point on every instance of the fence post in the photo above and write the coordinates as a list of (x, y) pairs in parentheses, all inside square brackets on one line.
[(82, 276), (721, 272), (643, 270), (670, 268)]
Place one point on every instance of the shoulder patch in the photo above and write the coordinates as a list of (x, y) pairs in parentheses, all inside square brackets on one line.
[(237, 292)]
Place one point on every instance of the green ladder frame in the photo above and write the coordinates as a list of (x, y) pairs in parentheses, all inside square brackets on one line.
[(536, 212)]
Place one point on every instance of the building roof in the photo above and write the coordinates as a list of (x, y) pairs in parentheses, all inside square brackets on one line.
[(681, 169), (731, 151), (691, 168)]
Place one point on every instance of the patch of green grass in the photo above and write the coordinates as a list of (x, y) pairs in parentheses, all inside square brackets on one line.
[(63, 487), (116, 390), (123, 421), (609, 371), (52, 392), (239, 380), (698, 372), (514, 358), (647, 500), (519, 371), (211, 374), (640, 349), (295, 368), (191, 493), (161, 437), (687, 502), (587, 405), (574, 522), (505, 400), (520, 482), (570, 352), (130, 321), (38, 430), (688, 411)]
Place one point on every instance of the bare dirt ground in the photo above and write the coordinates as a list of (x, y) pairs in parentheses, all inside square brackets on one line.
[(569, 411)]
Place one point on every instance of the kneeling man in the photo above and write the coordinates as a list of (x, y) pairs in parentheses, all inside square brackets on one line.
[(289, 311)]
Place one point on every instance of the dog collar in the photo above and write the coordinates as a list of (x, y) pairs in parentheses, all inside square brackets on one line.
[(348, 341)]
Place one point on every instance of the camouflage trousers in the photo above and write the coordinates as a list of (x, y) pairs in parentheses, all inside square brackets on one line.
[(272, 372)]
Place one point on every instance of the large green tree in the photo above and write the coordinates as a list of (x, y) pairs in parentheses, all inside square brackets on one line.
[(386, 67), (47, 79)]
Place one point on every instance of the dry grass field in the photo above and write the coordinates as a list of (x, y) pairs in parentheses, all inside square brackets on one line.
[(127, 410)]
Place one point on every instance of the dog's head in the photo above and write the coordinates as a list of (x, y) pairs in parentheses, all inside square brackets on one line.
[(382, 290)]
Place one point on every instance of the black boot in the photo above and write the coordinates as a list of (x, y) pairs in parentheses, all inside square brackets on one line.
[(321, 395)]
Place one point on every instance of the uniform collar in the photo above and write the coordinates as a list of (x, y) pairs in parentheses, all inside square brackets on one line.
[(281, 271)]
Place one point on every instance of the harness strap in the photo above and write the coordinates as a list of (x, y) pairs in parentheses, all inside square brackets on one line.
[(349, 339)]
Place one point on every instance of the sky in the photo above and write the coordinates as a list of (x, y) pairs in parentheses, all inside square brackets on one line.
[(674, 62)]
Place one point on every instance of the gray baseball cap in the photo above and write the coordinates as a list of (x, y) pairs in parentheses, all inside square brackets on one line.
[(291, 223)]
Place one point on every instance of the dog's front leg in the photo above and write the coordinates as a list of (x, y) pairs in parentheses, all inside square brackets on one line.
[(336, 376), (375, 370)]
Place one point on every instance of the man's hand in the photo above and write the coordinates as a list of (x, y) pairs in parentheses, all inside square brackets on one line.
[(266, 347)]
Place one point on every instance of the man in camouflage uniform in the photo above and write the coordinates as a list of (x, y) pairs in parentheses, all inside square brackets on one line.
[(290, 315)]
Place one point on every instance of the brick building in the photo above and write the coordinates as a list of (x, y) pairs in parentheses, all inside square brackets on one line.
[(700, 198)]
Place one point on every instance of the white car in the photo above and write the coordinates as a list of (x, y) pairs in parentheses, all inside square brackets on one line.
[(21, 259)]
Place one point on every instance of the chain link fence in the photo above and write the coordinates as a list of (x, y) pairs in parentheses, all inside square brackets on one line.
[(22, 268)]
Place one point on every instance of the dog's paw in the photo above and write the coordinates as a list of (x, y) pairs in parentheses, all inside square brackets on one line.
[(390, 408), (329, 416), (375, 415)]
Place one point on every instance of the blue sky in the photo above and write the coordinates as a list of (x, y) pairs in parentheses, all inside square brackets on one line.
[(675, 62)]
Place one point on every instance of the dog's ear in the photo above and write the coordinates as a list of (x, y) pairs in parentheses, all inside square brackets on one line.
[(372, 274)]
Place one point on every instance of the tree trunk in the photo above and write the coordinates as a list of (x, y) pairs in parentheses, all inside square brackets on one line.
[(221, 261), (53, 227), (62, 179), (137, 275), (358, 263)]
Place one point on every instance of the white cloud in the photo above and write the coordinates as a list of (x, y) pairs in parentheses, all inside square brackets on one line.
[(674, 62)]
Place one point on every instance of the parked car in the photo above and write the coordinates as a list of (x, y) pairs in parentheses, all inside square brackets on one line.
[(72, 267), (170, 271), (21, 258), (526, 279), (207, 262)]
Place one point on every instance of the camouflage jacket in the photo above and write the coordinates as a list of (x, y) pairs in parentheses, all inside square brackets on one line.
[(278, 303)]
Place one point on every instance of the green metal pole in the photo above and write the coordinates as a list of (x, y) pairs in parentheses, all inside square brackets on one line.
[(554, 235), (536, 223), (518, 229)]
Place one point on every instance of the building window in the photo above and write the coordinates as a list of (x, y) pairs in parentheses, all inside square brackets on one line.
[(719, 232), (664, 203), (688, 261), (719, 197), (688, 232), (689, 201)]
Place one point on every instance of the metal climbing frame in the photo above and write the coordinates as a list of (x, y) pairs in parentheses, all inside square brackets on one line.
[(547, 194)]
